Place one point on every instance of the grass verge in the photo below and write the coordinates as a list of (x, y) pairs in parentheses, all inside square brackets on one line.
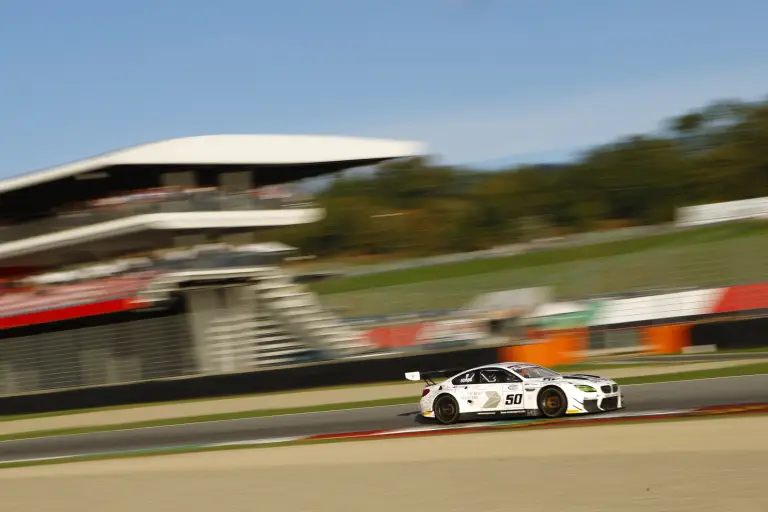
[(541, 258), (17, 417), (742, 351), (732, 371), (587, 367)]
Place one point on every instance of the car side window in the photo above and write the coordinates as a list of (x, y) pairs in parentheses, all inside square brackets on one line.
[(465, 378), (497, 375), (510, 377)]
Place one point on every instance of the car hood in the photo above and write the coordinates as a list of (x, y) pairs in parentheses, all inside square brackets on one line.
[(570, 378), (579, 378)]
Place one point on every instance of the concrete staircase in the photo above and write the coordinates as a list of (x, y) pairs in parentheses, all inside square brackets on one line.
[(261, 318), (247, 341), (299, 311)]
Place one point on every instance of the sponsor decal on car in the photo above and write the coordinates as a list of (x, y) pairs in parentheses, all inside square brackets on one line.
[(493, 400)]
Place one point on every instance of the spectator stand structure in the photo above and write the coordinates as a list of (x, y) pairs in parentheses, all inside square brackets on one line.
[(141, 264)]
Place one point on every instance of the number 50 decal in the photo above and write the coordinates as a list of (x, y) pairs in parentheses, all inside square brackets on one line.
[(515, 399)]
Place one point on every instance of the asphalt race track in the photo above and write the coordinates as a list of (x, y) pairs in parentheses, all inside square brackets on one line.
[(639, 398)]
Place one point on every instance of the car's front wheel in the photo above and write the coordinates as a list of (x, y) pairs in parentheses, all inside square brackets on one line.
[(552, 402), (446, 410)]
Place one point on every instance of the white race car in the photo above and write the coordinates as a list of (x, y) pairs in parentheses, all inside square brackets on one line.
[(513, 389)]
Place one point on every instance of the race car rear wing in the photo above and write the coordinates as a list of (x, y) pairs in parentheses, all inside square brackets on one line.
[(429, 377)]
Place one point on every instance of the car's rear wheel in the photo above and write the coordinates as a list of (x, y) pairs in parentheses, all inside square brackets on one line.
[(446, 410), (552, 402)]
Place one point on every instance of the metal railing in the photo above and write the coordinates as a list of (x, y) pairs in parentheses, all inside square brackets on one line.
[(217, 202)]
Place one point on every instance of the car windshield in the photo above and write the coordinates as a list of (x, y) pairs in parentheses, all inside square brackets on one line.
[(534, 372)]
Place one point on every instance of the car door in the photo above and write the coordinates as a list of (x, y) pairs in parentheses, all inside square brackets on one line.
[(466, 392), (490, 385), (512, 392)]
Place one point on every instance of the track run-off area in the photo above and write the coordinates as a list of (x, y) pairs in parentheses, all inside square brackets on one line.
[(643, 402)]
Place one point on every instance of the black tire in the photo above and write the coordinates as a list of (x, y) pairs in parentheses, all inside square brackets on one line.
[(552, 402), (446, 410)]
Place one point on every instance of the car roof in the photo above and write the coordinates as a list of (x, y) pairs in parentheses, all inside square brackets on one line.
[(508, 365)]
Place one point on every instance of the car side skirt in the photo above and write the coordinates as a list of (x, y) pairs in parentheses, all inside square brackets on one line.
[(527, 413)]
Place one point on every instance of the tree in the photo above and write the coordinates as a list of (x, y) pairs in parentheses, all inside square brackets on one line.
[(715, 153)]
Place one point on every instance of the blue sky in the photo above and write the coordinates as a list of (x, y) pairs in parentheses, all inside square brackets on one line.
[(481, 81)]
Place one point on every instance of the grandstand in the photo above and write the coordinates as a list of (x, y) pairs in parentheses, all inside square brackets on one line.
[(143, 264)]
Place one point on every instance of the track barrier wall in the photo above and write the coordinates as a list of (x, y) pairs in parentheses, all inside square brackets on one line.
[(567, 346), (732, 334), (301, 377)]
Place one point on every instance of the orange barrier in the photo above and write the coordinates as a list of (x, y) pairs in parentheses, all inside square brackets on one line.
[(556, 348), (667, 339)]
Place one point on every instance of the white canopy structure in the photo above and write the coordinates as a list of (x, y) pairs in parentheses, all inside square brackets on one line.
[(233, 168), (229, 150)]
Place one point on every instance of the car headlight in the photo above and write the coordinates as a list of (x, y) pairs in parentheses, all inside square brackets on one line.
[(586, 389)]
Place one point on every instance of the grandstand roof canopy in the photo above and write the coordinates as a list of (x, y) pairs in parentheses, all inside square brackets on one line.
[(272, 159)]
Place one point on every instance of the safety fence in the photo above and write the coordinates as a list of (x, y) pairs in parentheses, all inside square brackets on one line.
[(125, 350)]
